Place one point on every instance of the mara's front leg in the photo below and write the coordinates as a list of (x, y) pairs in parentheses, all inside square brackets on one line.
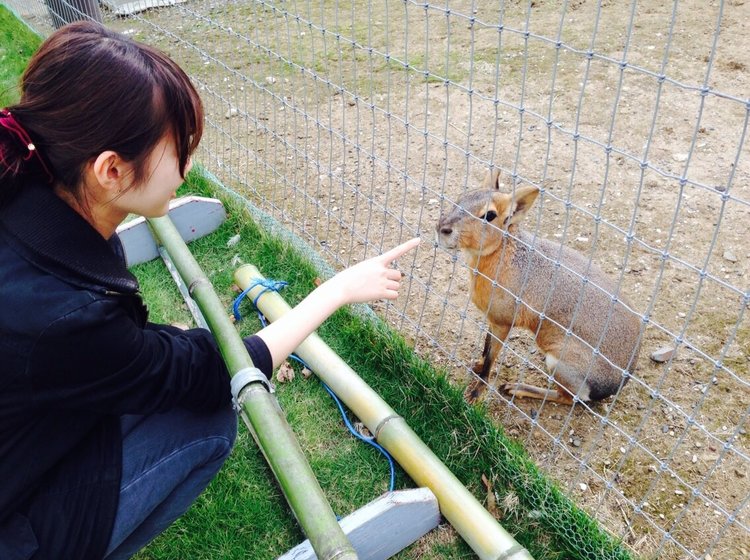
[(495, 338)]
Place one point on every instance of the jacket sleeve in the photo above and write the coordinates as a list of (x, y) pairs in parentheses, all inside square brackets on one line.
[(97, 358), (255, 346)]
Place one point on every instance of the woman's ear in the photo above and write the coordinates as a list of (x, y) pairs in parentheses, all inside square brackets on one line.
[(110, 171)]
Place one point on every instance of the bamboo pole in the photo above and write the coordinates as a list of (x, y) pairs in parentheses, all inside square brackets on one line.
[(260, 409), (472, 521)]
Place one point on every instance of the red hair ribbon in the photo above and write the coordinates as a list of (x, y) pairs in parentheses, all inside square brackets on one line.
[(10, 123)]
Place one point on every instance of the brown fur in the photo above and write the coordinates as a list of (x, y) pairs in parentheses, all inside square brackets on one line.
[(551, 298)]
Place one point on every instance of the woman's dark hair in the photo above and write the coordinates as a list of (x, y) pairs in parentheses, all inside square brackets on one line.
[(87, 90)]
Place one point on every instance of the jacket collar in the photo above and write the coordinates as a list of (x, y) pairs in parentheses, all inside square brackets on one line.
[(54, 237)]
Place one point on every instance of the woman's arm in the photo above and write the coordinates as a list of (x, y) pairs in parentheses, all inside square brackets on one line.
[(367, 281)]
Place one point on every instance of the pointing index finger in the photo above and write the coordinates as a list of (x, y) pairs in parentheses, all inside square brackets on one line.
[(396, 252)]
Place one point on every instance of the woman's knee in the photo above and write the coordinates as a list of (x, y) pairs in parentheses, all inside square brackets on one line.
[(219, 427), (204, 437), (226, 426)]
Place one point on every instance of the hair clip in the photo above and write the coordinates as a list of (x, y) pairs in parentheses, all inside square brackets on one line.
[(9, 122)]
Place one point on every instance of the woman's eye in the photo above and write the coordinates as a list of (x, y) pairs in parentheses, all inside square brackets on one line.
[(489, 216)]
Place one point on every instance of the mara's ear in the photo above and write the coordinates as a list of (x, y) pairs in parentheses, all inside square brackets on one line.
[(492, 180), (519, 203)]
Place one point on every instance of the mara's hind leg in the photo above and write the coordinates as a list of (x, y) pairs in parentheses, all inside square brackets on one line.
[(522, 390), (568, 380), (560, 394), (579, 374), (483, 367)]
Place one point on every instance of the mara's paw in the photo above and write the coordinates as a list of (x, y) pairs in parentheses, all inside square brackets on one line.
[(478, 367), (474, 391)]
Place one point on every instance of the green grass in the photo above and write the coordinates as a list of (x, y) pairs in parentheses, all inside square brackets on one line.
[(243, 514), (17, 43)]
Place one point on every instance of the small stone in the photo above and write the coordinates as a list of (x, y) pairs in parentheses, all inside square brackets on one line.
[(231, 113), (694, 459), (679, 492), (665, 429), (576, 442), (730, 256), (680, 157), (270, 80), (739, 473), (663, 354), (583, 486)]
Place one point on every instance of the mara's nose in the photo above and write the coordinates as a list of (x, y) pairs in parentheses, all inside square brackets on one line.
[(446, 230)]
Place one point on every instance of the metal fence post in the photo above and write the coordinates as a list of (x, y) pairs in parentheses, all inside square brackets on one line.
[(66, 11)]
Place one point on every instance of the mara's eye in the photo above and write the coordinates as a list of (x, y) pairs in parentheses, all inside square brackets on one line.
[(489, 216)]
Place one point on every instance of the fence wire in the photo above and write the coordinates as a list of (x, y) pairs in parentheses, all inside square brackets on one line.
[(357, 124)]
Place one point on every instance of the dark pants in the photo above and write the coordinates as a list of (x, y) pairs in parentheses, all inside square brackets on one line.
[(168, 460)]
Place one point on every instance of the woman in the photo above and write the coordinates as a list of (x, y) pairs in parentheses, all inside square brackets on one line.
[(110, 426)]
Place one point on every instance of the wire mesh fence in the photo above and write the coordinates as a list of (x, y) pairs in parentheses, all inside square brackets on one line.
[(358, 124)]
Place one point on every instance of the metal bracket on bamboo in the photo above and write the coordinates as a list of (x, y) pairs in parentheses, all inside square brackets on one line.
[(242, 379), (385, 421), (198, 282)]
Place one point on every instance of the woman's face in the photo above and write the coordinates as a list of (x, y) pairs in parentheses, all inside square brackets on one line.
[(151, 198)]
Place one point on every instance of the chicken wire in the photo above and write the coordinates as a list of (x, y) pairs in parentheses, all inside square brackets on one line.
[(356, 124)]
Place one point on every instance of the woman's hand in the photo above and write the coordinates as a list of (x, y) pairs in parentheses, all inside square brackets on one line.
[(372, 279), (369, 280)]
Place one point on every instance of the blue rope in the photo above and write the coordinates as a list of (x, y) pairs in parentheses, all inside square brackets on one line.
[(277, 285)]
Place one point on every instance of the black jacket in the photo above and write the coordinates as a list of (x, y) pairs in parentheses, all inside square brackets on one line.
[(76, 352)]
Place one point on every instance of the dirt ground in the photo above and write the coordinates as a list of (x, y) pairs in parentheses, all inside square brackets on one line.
[(357, 124)]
